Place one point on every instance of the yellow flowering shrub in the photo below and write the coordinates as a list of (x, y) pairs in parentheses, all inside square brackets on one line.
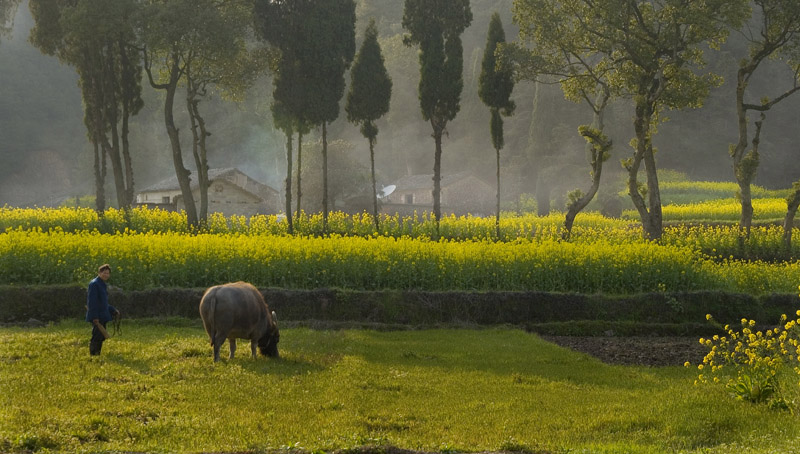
[(754, 364)]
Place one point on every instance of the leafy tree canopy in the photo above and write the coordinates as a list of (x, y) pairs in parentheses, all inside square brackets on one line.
[(496, 81), (371, 87), (436, 27), (8, 9)]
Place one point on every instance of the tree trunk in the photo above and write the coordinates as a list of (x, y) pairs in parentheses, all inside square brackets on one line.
[(597, 146), (130, 193), (324, 178), (99, 178), (110, 106), (793, 202), (127, 99), (437, 176), (745, 173), (177, 156), (202, 169), (95, 114), (290, 225), (580, 204), (497, 212), (374, 184), (199, 135), (650, 212), (655, 226), (742, 164), (299, 169)]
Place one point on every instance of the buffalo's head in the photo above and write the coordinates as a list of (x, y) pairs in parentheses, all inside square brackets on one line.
[(268, 344)]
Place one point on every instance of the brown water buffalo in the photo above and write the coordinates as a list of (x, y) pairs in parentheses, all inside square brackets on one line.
[(238, 310)]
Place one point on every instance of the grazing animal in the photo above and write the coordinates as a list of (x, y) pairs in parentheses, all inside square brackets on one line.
[(238, 310)]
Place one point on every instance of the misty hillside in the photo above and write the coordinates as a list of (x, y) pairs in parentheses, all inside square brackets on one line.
[(45, 154)]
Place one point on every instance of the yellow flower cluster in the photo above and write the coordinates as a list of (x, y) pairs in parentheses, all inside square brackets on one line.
[(194, 260), (719, 210), (751, 362), (723, 241), (86, 219)]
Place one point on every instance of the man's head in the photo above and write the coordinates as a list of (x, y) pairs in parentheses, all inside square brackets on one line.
[(104, 271)]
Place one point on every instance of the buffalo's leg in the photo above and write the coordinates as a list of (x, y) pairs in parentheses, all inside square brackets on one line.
[(216, 346), (232, 341), (253, 345), (216, 342)]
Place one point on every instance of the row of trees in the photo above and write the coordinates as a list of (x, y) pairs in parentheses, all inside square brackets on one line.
[(111, 45), (652, 52), (201, 46)]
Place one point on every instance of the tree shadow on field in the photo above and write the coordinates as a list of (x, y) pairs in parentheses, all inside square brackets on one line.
[(508, 353), (289, 364), (139, 366)]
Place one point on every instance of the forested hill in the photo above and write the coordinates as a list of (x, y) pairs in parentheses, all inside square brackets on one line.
[(44, 152)]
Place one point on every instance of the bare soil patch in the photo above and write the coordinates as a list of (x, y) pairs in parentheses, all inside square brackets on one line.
[(635, 350)]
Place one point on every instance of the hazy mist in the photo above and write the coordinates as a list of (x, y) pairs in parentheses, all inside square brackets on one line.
[(45, 155)]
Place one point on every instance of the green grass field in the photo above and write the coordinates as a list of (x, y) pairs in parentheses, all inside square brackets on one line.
[(155, 389)]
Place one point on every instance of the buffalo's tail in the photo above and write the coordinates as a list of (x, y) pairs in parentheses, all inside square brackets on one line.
[(208, 311)]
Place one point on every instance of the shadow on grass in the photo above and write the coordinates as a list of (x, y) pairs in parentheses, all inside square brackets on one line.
[(503, 352)]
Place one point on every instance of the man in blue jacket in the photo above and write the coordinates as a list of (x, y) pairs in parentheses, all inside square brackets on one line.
[(98, 311)]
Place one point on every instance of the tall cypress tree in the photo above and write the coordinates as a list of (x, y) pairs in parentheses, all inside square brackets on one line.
[(281, 24), (331, 35), (436, 27), (496, 83), (369, 96)]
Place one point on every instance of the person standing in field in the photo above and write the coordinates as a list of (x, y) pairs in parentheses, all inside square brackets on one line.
[(98, 311)]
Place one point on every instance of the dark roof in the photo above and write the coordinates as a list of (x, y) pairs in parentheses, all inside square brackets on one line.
[(412, 182)]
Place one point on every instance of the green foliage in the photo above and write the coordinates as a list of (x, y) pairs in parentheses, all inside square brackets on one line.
[(747, 167), (316, 40), (155, 388), (600, 143), (282, 24), (775, 24), (369, 97), (574, 196), (648, 51), (370, 87), (436, 27), (8, 9), (496, 81), (100, 40)]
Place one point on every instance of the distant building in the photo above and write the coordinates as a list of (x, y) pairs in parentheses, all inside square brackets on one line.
[(462, 193), (230, 192)]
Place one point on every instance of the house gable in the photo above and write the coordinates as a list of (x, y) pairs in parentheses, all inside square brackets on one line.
[(230, 192)]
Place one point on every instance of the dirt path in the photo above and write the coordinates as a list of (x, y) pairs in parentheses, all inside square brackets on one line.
[(645, 351)]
